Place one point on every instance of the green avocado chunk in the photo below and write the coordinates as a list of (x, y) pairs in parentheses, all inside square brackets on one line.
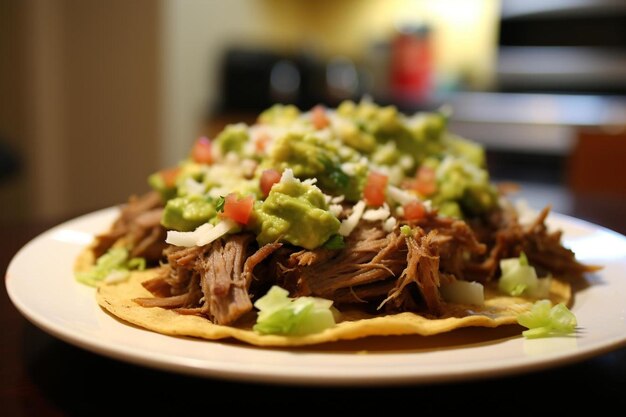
[(186, 213), (295, 213), (232, 139), (311, 157)]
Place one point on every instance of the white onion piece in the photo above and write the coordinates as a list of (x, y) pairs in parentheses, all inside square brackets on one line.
[(203, 235), (463, 292), (216, 232), (348, 225)]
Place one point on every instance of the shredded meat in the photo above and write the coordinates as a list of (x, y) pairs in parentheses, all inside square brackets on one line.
[(225, 290), (376, 269), (139, 226), (370, 255), (422, 269), (543, 248)]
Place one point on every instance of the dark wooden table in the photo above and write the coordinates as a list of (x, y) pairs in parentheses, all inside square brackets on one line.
[(43, 376)]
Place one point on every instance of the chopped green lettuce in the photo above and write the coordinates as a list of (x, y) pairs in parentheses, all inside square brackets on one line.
[(544, 320), (279, 314), (114, 265), (520, 278)]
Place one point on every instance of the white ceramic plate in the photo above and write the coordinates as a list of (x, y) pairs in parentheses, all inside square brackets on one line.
[(40, 283)]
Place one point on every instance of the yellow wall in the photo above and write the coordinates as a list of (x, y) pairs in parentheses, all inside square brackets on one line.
[(464, 31)]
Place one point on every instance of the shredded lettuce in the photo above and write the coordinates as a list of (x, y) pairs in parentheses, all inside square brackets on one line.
[(520, 278), (112, 266), (279, 314), (544, 320)]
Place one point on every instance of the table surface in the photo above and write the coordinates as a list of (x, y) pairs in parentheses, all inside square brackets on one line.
[(43, 376)]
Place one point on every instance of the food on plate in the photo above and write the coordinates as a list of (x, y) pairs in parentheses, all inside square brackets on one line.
[(309, 227)]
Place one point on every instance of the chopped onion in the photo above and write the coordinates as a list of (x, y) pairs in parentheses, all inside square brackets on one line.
[(348, 225), (203, 235), (463, 292), (544, 320)]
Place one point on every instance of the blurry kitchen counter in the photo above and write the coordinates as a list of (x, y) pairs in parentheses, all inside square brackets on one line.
[(542, 123)]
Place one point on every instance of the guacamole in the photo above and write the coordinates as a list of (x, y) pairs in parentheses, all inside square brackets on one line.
[(296, 213), (332, 155), (186, 213)]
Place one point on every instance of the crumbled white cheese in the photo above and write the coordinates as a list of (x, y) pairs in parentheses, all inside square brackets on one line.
[(349, 168), (287, 176), (406, 162), (338, 199), (217, 192), (400, 196), (348, 225), (389, 224), (372, 215), (335, 209), (194, 187)]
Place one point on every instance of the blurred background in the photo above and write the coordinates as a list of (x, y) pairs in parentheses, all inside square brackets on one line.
[(95, 95)]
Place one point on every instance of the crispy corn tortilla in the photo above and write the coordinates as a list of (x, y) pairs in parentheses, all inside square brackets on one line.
[(497, 310)]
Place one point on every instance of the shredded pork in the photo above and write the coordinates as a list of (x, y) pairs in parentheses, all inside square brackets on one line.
[(139, 227), (377, 269)]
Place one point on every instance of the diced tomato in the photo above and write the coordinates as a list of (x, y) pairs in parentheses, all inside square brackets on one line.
[(201, 151), (319, 118), (261, 141), (375, 187), (169, 176), (269, 177), (414, 210), (238, 209), (425, 182)]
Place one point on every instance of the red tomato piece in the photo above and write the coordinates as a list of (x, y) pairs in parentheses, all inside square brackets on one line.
[(414, 210), (169, 176), (269, 177), (201, 151), (261, 141), (319, 118), (425, 182), (375, 189), (238, 209)]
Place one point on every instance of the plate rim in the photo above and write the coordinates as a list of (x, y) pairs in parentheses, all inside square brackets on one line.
[(165, 362)]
